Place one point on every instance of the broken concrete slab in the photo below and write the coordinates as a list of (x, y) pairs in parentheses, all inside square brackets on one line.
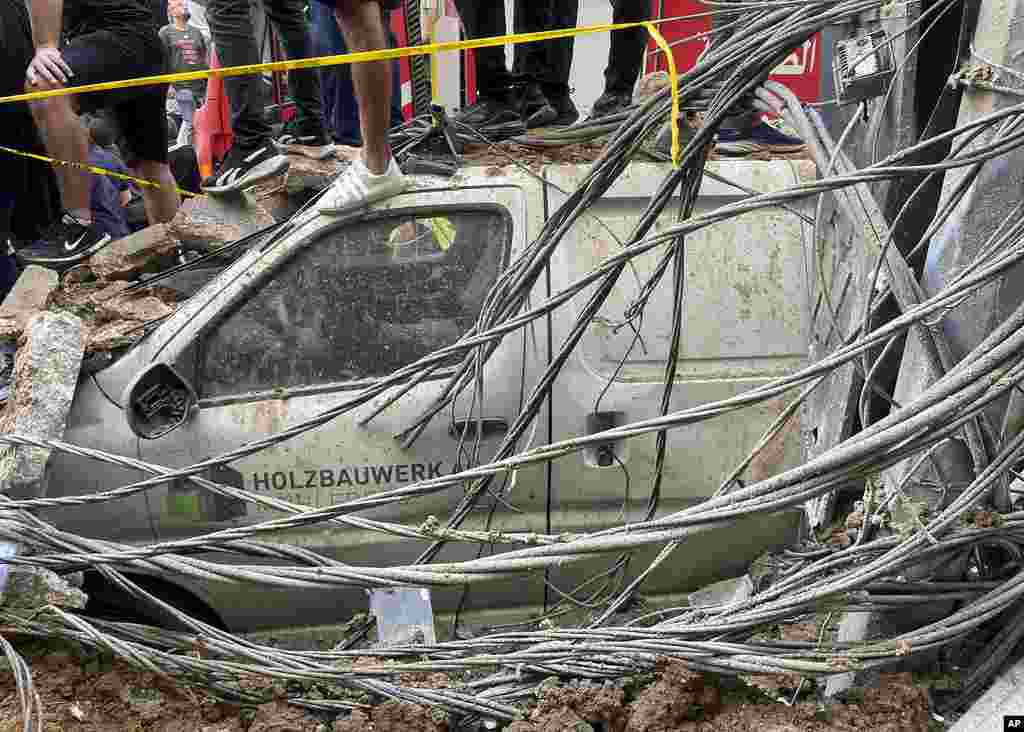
[(144, 251), (208, 222), (31, 588), (306, 175), (113, 335), (46, 370), (140, 305), (30, 293)]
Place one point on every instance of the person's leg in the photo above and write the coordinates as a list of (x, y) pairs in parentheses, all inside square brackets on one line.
[(253, 157), (376, 175), (360, 23), (746, 133), (324, 30), (305, 134), (564, 14), (532, 63), (483, 19), (626, 55), (625, 58), (232, 28), (187, 109), (92, 58), (142, 123), (162, 204), (495, 103), (66, 139)]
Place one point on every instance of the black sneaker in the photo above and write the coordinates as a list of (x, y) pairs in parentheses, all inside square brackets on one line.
[(65, 243), (302, 138), (245, 168), (488, 112), (537, 110), (611, 103), (565, 110)]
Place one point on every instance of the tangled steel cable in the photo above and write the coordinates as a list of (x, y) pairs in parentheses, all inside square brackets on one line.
[(866, 574)]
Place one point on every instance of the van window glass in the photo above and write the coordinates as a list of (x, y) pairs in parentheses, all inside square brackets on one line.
[(359, 302)]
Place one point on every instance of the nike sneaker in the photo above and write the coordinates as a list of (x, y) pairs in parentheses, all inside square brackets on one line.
[(65, 243)]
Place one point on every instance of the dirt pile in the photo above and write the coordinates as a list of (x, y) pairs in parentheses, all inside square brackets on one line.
[(675, 699)]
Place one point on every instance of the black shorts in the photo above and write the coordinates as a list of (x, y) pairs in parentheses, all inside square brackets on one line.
[(141, 111)]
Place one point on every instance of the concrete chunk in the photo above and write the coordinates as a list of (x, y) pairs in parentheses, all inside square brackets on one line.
[(208, 223), (31, 588), (45, 375), (147, 250), (305, 174), (30, 293)]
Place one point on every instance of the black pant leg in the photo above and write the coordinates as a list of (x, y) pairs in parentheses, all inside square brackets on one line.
[(289, 20), (626, 57), (482, 19), (232, 29)]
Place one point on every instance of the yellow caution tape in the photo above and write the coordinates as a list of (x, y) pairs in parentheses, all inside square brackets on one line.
[(93, 169), (674, 80)]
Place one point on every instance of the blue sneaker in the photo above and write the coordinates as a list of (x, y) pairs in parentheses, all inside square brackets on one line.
[(761, 138)]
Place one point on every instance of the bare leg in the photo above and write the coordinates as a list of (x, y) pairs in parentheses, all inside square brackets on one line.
[(161, 204), (65, 139), (360, 23)]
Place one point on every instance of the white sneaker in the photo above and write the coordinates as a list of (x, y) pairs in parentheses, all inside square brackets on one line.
[(358, 187)]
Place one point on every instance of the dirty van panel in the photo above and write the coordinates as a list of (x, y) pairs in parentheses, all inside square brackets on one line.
[(745, 298), (744, 323)]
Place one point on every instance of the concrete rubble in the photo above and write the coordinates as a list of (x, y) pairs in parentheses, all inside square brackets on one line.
[(30, 589), (46, 372)]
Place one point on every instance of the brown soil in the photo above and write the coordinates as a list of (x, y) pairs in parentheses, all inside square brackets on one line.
[(682, 701), (92, 696)]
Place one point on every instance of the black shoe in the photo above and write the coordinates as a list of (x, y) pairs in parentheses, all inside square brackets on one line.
[(65, 243), (487, 112), (611, 103), (305, 138), (245, 168), (537, 110), (565, 111)]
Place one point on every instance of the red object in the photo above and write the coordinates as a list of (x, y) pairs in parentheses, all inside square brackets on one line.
[(212, 136), (801, 71)]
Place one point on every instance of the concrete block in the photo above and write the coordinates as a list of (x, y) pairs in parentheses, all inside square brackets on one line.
[(45, 375), (1005, 696), (207, 222), (306, 175), (144, 251), (30, 293), (31, 588)]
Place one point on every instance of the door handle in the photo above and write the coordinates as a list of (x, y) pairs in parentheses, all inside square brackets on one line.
[(465, 429)]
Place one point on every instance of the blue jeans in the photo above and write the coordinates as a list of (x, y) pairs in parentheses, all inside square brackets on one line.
[(341, 111)]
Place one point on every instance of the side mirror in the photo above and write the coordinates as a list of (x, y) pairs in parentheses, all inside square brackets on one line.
[(159, 401)]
